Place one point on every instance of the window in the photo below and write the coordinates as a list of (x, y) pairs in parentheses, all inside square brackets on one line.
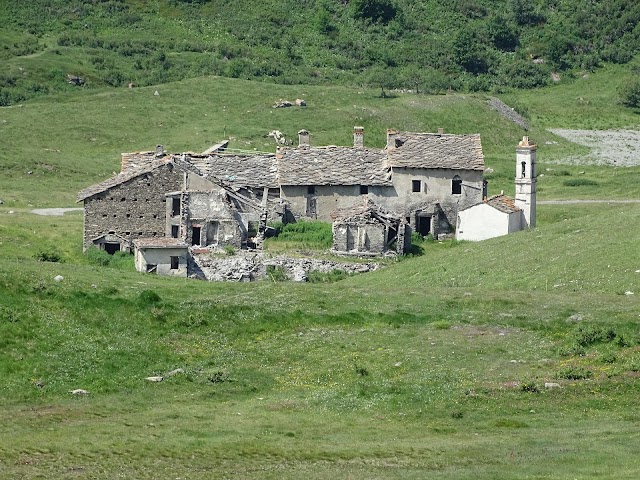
[(175, 207), (456, 185), (364, 189), (195, 236), (524, 169), (175, 229), (416, 186), (311, 190), (175, 261)]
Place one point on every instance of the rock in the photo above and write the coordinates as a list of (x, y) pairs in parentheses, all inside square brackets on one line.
[(282, 104), (78, 391), (300, 102), (299, 274), (551, 385), (154, 379), (174, 372), (58, 278), (628, 292), (75, 80), (39, 383), (156, 93), (555, 77), (1, 202)]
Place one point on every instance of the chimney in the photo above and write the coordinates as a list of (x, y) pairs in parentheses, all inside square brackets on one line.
[(303, 139), (391, 138), (441, 131), (358, 137), (159, 151)]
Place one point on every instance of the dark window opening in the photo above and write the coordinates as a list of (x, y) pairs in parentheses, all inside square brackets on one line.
[(175, 262), (127, 215), (423, 225), (104, 214), (111, 248), (152, 268), (524, 169), (195, 236), (364, 189), (311, 190), (456, 185), (127, 233), (122, 199), (155, 216), (175, 229), (175, 207), (416, 186)]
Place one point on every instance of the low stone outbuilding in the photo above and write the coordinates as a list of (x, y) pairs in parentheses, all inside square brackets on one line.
[(162, 256), (496, 216), (366, 229)]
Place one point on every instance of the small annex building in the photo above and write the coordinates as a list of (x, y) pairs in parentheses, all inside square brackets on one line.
[(162, 256), (367, 229), (494, 217), (501, 215)]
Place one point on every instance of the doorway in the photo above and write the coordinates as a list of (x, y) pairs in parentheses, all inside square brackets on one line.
[(423, 225)]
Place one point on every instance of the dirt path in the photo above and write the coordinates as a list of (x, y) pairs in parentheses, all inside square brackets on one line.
[(54, 211), (568, 202)]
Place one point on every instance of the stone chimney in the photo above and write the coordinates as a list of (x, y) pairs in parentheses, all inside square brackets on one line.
[(159, 151), (391, 138), (303, 139), (441, 131), (358, 137)]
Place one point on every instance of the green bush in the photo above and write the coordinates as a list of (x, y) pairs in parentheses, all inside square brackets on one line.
[(574, 373), (579, 182), (334, 275), (149, 297), (586, 335), (630, 94), (48, 256), (276, 274)]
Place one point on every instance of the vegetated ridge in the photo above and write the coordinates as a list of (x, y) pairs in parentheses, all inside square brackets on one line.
[(431, 46)]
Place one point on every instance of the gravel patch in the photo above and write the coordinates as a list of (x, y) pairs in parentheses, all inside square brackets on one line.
[(608, 147), (507, 112)]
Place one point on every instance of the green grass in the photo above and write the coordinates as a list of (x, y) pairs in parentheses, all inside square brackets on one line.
[(412, 371)]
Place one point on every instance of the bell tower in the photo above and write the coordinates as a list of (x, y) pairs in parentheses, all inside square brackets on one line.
[(526, 181)]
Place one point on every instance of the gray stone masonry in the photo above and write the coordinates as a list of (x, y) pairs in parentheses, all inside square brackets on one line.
[(133, 209)]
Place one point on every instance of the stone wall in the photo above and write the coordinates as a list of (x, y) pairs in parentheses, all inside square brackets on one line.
[(133, 209)]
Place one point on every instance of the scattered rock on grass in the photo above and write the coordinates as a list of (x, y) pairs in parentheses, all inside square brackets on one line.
[(174, 372), (78, 391), (154, 379), (58, 278), (551, 385)]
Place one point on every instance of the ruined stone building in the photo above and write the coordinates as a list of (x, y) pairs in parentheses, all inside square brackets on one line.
[(220, 198)]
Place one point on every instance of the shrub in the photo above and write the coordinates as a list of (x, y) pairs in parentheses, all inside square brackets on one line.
[(149, 297), (48, 256), (574, 373), (230, 250), (579, 182), (630, 94), (529, 387), (589, 334), (276, 274)]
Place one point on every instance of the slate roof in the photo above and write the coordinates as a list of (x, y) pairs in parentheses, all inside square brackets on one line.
[(503, 203), (366, 212), (437, 150), (159, 242), (120, 179), (239, 170), (332, 166)]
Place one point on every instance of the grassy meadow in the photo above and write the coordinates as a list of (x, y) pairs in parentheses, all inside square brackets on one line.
[(433, 367)]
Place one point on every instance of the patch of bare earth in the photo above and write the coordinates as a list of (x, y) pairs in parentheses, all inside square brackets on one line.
[(608, 147)]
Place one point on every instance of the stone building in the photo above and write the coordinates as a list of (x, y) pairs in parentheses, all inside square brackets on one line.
[(367, 229), (219, 198), (162, 256)]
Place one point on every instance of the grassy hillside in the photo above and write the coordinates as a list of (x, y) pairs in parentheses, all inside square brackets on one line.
[(434, 46), (435, 365), (70, 141)]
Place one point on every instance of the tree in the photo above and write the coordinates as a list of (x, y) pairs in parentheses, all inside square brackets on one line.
[(630, 94), (375, 10)]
